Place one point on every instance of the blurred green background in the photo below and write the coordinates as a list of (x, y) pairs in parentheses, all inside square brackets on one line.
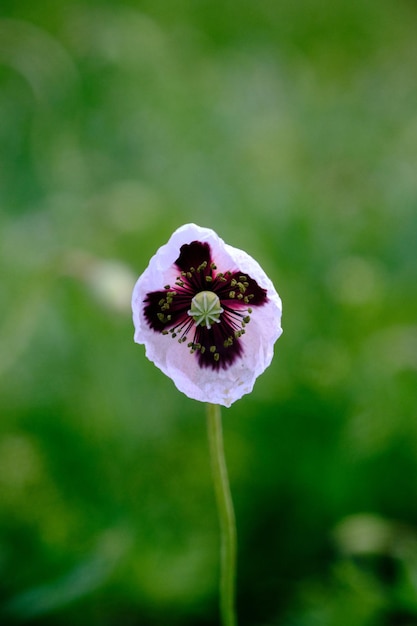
[(291, 129)]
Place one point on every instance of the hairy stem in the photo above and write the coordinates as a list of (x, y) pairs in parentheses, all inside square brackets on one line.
[(226, 516)]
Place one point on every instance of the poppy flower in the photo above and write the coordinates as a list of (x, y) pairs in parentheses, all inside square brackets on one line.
[(207, 314)]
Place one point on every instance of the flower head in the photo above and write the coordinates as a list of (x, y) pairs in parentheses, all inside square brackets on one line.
[(207, 314)]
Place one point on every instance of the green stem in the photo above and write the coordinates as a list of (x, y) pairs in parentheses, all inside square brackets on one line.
[(226, 516)]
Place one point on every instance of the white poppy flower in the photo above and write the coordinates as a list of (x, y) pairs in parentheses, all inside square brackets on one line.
[(207, 314)]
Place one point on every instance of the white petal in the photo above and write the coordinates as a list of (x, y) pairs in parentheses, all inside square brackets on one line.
[(222, 386)]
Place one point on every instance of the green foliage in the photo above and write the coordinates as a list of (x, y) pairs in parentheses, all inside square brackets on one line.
[(291, 129)]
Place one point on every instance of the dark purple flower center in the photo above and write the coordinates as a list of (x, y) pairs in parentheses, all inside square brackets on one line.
[(171, 311)]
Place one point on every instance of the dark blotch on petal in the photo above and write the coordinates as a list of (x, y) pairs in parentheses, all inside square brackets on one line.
[(227, 357), (193, 255), (177, 311), (152, 309), (257, 296), (215, 336)]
